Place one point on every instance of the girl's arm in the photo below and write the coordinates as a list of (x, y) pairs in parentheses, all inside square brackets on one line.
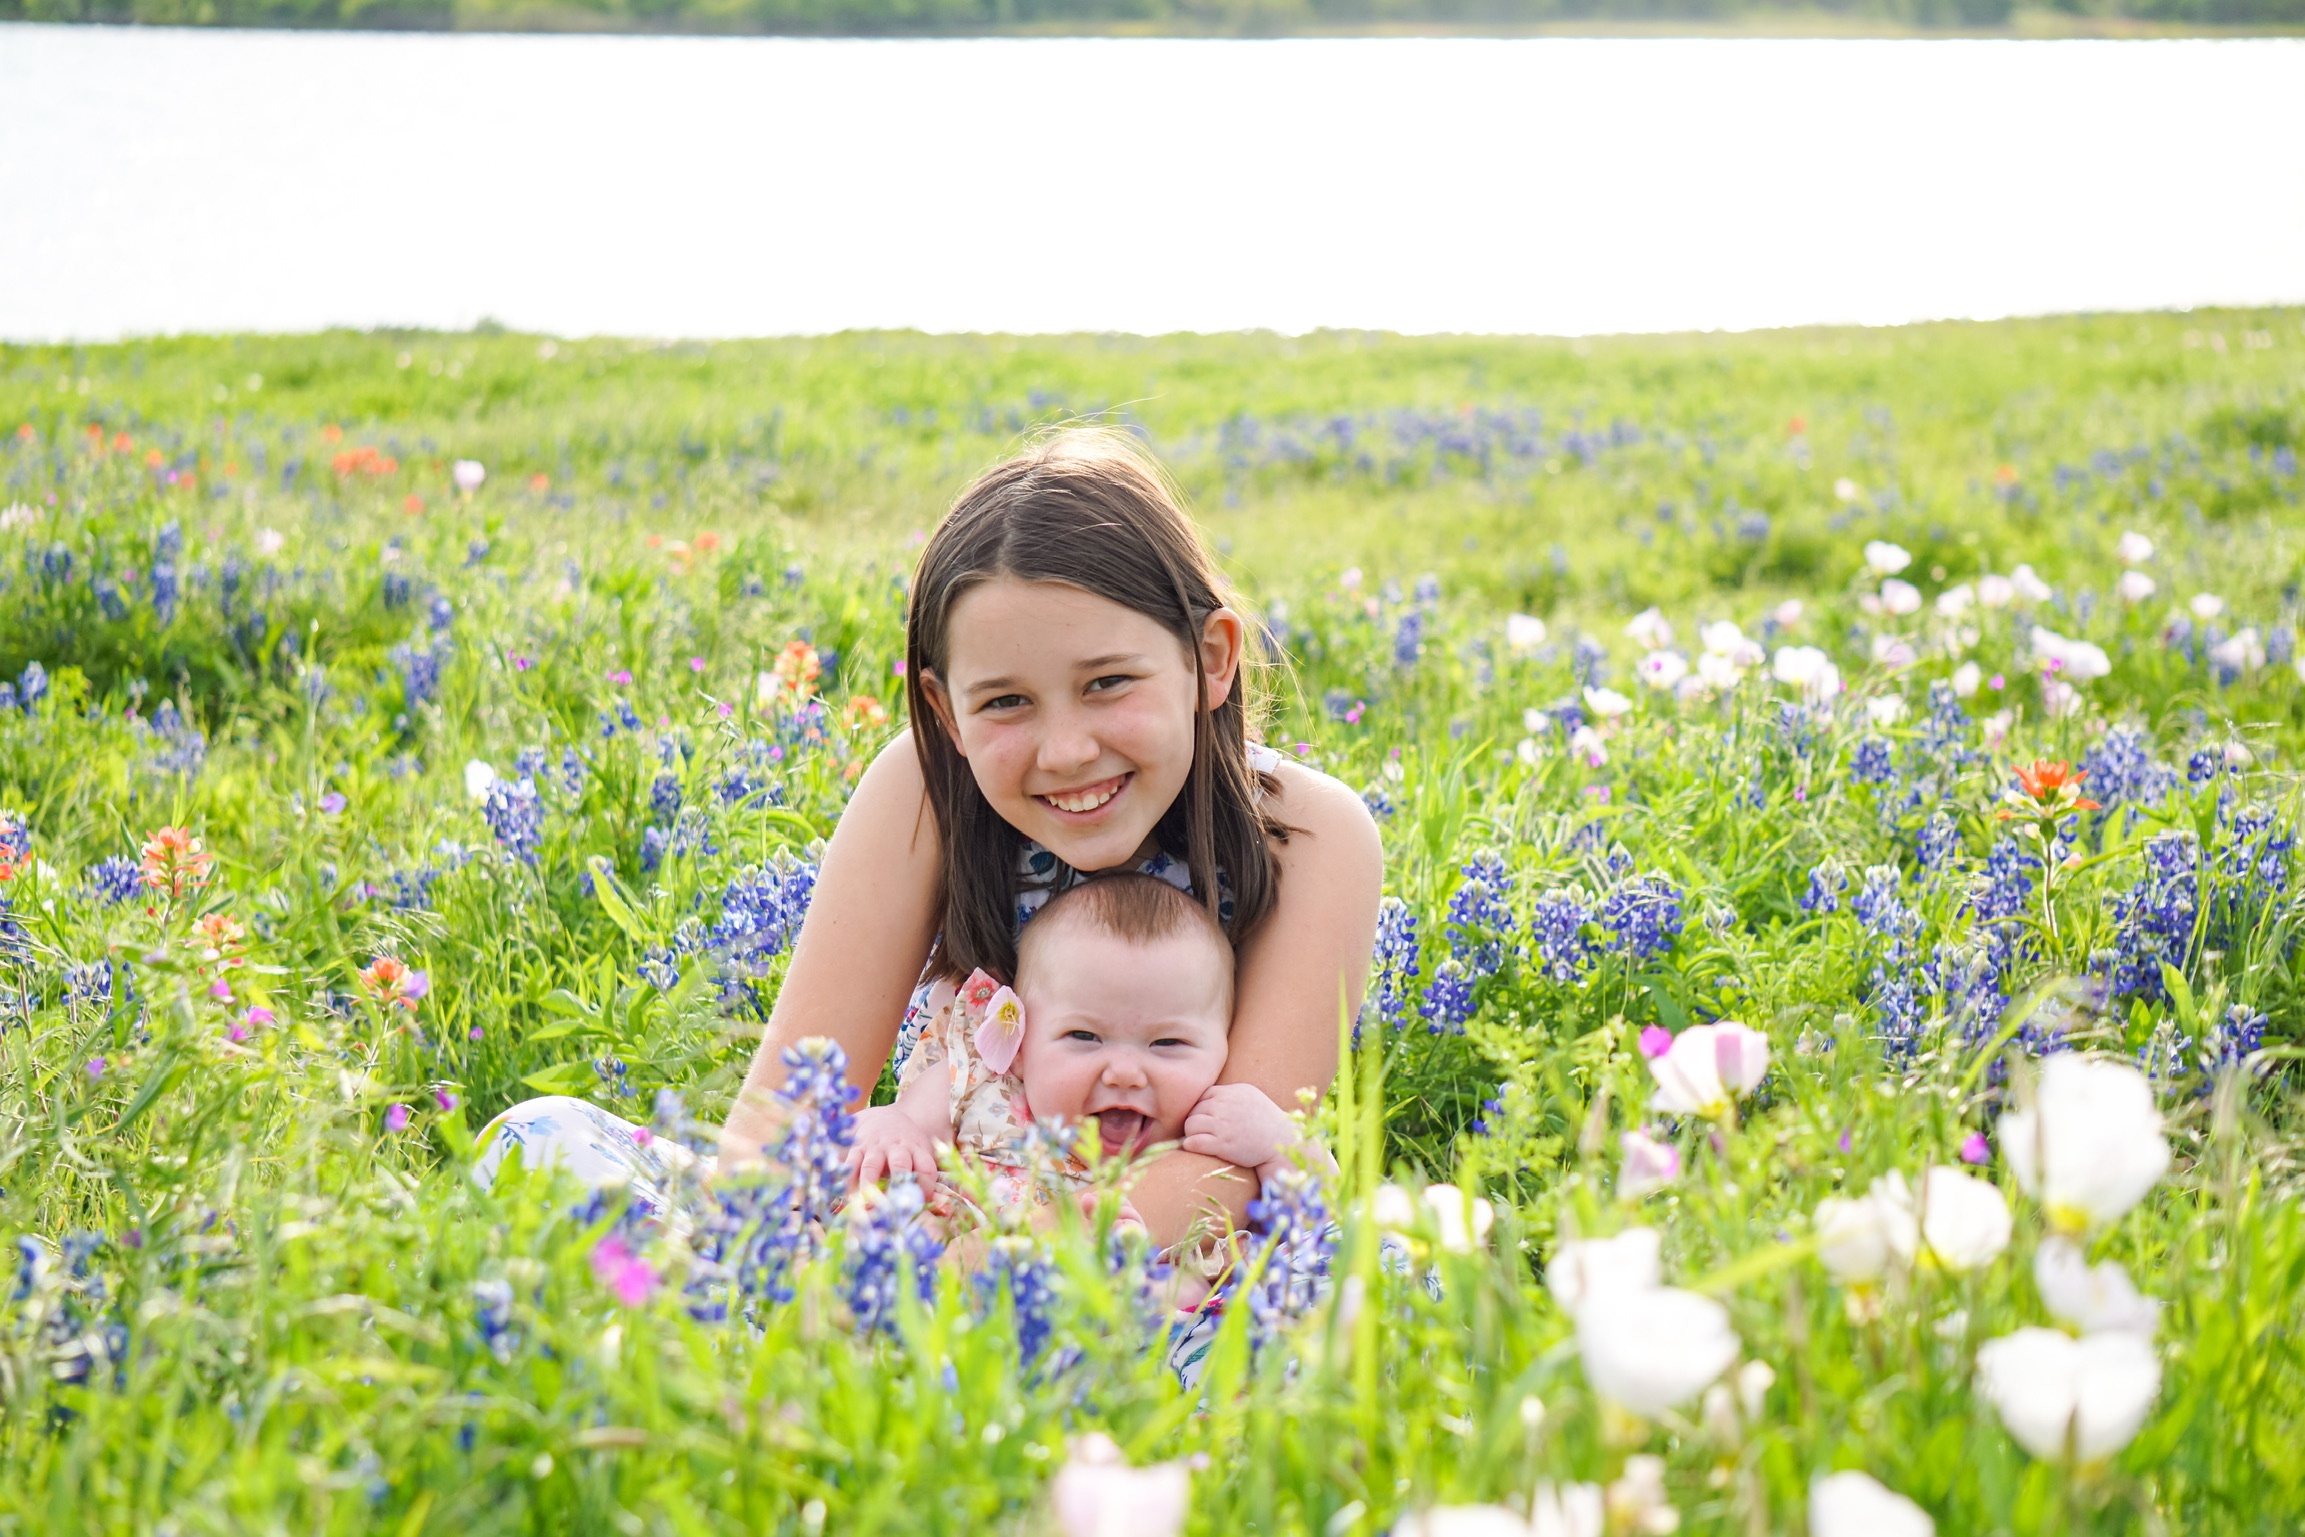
[(1309, 960), (860, 952)]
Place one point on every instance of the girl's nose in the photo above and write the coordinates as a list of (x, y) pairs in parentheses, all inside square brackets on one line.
[(1067, 745)]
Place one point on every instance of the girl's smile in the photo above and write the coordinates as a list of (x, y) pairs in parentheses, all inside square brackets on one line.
[(1087, 801)]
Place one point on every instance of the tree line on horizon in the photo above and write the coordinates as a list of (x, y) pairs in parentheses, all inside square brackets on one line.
[(1242, 17)]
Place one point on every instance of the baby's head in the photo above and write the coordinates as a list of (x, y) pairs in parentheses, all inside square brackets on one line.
[(1127, 986)]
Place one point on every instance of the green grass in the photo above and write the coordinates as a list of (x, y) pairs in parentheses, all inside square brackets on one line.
[(280, 1330)]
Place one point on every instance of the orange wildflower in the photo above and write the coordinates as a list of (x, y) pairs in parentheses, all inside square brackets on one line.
[(708, 541), (392, 982), (175, 862), (364, 460), (799, 667), (332, 433), (540, 482), (864, 710), (216, 935), (413, 504), (2049, 785)]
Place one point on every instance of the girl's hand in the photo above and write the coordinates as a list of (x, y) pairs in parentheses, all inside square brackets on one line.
[(1127, 1217), (1238, 1123), (890, 1142)]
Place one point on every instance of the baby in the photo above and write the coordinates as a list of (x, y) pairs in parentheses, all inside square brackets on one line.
[(1122, 1005)]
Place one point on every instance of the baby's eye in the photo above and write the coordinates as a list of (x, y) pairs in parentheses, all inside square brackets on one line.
[(1172, 1040), (1081, 1035)]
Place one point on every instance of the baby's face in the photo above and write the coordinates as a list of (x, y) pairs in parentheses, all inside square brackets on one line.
[(1130, 1033)]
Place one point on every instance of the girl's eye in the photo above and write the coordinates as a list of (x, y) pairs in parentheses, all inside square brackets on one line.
[(1109, 682), (1002, 702)]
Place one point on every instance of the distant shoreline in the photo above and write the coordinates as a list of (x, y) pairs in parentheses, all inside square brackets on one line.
[(2026, 25)]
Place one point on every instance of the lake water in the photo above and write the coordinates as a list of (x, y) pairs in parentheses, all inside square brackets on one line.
[(156, 180)]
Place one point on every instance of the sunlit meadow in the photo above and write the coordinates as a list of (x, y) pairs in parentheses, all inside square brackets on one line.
[(1829, 1063)]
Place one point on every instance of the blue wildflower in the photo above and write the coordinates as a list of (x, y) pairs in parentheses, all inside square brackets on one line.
[(1557, 923), (516, 817), (1291, 1253), (1396, 963), (1826, 883), (1643, 917), (891, 1250), (115, 879)]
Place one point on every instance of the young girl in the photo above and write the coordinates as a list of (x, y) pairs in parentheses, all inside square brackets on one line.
[(1118, 1022), (1075, 673)]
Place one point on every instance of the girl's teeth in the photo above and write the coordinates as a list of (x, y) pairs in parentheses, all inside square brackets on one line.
[(1087, 802)]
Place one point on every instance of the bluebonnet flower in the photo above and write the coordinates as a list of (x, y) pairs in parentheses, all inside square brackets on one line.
[(88, 987), (32, 687), (1428, 588), (529, 763), (1897, 999), (1878, 907), (1379, 803), (1291, 1254), (108, 598), (1940, 841), (492, 1317), (760, 915), (1943, 741), (664, 798), (1478, 916), (1826, 883), (1016, 1266), (1448, 1000), (115, 879), (1871, 763), (1590, 661), (441, 616), (2004, 890), (1643, 917), (2233, 1040), (573, 771), (890, 1249), (1396, 964), (165, 587), (2123, 772), (1557, 923), (419, 672), (178, 747), (516, 817), (2205, 764), (2166, 1058), (749, 780), (1967, 981), (1797, 728), (412, 889), (812, 1145), (2153, 921), (397, 590), (615, 1080), (620, 716)]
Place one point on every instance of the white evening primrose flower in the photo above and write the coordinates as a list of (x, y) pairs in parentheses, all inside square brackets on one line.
[(1586, 747), (1567, 1510), (2134, 549), (1097, 1494), (478, 779), (1724, 638), (1524, 632), (1900, 597), (1854, 1504), (2242, 651), (1534, 720), (1809, 670), (1885, 709), (2136, 586), (1584, 1268), (2059, 698), (1858, 1236), (1531, 752), (1707, 1068), (1955, 601), (2066, 1399), (1967, 679), (1606, 703), (269, 542), (1893, 652), (1997, 727), (1461, 1220), (1996, 591), (1651, 629), (18, 515), (1718, 673), (1649, 1165), (1647, 1351), (2073, 661), (1788, 613), (1962, 1221), (1466, 1521), (1636, 1503), (1662, 669), (2090, 1144), (2029, 585), (1846, 489), (2095, 1299), (1350, 579), (1886, 559), (2206, 605), (468, 474)]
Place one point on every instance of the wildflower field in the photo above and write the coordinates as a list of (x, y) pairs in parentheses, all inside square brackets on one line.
[(1830, 1065)]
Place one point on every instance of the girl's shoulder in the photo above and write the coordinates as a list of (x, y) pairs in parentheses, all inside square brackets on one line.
[(1313, 802)]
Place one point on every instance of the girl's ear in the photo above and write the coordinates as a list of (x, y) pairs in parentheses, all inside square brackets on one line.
[(1222, 639), (940, 704)]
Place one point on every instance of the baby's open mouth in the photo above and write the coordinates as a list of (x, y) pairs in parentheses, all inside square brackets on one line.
[(1087, 798), (1121, 1131)]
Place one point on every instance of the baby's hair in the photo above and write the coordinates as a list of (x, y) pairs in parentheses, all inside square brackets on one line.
[(1089, 509), (1133, 908)]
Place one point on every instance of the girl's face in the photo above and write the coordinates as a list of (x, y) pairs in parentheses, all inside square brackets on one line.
[(1130, 1033), (1075, 713)]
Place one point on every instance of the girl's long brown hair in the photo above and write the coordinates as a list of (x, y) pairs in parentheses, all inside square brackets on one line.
[(1087, 509)]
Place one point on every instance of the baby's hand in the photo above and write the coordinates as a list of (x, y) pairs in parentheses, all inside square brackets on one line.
[(890, 1142), (1236, 1122)]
